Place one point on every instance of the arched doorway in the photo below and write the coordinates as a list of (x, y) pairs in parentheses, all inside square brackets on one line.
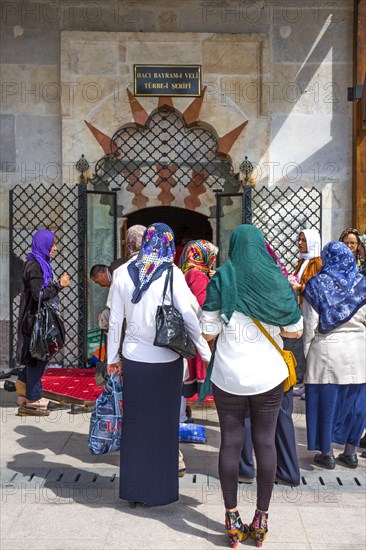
[(185, 223)]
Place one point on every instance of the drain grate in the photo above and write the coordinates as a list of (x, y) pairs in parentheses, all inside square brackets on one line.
[(345, 479), (107, 477)]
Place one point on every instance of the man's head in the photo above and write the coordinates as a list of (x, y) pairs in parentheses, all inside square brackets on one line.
[(100, 275)]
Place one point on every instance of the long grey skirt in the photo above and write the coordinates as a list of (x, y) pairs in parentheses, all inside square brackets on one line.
[(150, 432)]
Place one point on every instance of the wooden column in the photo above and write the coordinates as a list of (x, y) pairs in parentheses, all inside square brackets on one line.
[(359, 119)]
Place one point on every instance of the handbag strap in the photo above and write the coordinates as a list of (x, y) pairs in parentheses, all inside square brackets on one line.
[(267, 334), (169, 277), (39, 302)]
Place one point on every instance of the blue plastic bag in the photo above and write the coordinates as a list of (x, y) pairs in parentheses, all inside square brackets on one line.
[(192, 433), (106, 419)]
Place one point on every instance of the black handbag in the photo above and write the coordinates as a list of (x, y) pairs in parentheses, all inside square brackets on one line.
[(170, 328), (48, 335)]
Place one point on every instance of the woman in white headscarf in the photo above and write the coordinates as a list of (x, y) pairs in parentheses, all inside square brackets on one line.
[(310, 263)]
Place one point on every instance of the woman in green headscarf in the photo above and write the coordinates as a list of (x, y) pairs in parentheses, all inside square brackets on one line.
[(246, 369)]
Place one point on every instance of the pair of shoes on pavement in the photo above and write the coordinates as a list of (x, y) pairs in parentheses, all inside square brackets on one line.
[(33, 411), (325, 461), (9, 385), (32, 408), (329, 462), (351, 461)]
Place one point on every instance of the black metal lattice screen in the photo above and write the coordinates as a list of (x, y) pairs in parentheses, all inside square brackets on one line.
[(164, 151), (63, 211), (281, 213)]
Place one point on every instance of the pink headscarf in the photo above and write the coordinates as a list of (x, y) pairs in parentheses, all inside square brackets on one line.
[(278, 262)]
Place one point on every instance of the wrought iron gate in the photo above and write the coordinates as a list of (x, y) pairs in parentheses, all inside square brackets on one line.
[(166, 152), (279, 213), (62, 210)]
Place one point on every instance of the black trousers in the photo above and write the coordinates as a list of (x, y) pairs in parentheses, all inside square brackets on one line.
[(287, 462), (231, 411)]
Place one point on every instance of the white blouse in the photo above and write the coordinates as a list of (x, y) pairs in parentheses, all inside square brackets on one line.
[(246, 363), (140, 318)]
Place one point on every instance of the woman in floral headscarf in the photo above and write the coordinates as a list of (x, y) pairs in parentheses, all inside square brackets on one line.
[(334, 310), (197, 260), (134, 235), (152, 375)]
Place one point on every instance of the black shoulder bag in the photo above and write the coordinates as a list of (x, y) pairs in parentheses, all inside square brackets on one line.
[(48, 335), (170, 328)]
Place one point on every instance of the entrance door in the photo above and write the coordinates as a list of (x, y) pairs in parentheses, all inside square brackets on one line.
[(186, 224), (230, 214), (101, 247)]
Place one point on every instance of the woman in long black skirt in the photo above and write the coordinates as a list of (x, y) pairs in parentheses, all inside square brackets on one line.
[(152, 376)]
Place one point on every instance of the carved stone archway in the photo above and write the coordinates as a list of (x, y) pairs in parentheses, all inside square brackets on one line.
[(180, 157)]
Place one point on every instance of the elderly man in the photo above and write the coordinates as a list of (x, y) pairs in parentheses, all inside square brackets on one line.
[(102, 274)]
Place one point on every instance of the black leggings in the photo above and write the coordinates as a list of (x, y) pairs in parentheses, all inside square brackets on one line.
[(264, 409)]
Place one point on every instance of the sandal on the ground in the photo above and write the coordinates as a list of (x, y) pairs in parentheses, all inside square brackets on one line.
[(32, 411), (40, 403)]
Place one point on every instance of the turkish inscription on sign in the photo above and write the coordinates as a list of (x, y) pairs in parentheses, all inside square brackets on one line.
[(167, 80)]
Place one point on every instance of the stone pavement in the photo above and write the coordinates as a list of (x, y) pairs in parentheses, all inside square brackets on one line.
[(55, 495)]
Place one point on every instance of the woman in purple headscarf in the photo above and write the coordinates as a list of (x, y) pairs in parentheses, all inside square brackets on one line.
[(37, 275)]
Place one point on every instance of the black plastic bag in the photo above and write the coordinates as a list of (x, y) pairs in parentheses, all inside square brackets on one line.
[(48, 335)]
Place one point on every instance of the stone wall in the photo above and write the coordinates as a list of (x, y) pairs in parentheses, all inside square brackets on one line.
[(231, 63), (305, 113)]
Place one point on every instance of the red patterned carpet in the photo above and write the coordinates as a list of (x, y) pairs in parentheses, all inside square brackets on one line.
[(78, 386), (70, 385), (208, 400)]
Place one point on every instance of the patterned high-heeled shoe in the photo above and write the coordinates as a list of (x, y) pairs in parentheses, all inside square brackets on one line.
[(236, 529), (259, 527)]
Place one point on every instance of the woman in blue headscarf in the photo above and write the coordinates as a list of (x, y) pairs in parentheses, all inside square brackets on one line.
[(37, 276), (152, 376), (334, 310)]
